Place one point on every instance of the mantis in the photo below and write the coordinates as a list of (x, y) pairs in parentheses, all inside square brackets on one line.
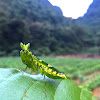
[(35, 64)]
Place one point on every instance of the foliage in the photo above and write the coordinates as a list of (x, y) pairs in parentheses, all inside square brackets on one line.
[(12, 62), (45, 27), (36, 88), (70, 66), (92, 21), (93, 83), (41, 24)]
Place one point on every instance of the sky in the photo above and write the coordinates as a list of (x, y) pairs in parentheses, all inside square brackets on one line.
[(72, 8)]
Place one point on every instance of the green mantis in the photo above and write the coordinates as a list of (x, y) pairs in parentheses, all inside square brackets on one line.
[(35, 64)]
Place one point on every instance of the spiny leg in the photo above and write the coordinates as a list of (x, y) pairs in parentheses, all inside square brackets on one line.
[(45, 86)]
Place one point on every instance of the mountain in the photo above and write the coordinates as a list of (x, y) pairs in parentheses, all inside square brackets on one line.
[(35, 10), (91, 20), (92, 17), (41, 24)]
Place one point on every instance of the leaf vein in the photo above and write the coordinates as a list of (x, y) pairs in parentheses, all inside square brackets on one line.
[(28, 90)]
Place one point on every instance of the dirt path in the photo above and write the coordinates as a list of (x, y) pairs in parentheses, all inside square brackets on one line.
[(96, 93)]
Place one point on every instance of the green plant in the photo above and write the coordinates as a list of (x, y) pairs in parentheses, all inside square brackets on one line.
[(34, 63), (16, 85), (93, 83), (36, 87)]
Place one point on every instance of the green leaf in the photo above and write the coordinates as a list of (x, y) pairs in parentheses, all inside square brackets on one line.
[(17, 85), (86, 95), (67, 90)]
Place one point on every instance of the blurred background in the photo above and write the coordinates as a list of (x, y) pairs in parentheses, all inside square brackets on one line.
[(71, 43)]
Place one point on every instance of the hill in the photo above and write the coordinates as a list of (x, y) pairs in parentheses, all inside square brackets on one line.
[(41, 24), (92, 17), (92, 21)]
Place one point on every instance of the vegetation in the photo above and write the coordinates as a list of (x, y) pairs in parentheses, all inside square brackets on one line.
[(71, 66), (36, 88), (91, 20), (75, 68), (49, 32), (39, 87), (93, 83), (43, 25)]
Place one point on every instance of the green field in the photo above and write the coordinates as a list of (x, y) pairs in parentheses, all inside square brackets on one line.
[(85, 70)]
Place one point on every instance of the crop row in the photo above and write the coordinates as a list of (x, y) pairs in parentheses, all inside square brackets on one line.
[(70, 66), (93, 83)]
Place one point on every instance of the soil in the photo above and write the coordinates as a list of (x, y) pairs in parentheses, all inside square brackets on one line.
[(96, 93)]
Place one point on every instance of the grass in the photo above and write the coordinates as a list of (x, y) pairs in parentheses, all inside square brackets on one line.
[(12, 62), (70, 66), (74, 67)]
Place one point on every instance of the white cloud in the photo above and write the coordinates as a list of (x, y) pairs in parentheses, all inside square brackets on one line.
[(72, 8)]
